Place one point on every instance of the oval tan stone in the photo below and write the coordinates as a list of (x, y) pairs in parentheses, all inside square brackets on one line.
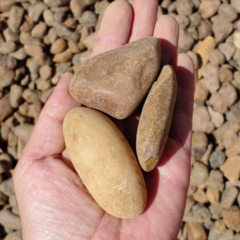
[(116, 81), (105, 162), (155, 119)]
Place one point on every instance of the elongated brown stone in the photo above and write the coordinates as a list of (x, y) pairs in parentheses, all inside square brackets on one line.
[(116, 81), (156, 118)]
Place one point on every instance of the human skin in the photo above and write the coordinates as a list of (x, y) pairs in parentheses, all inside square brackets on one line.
[(52, 200)]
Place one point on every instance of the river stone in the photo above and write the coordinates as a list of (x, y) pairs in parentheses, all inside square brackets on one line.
[(156, 117), (105, 162), (228, 197), (231, 218), (116, 81), (5, 106), (217, 159)]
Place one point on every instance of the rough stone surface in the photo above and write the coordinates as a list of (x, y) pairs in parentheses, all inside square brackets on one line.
[(77, 7), (7, 62), (15, 95), (231, 218), (236, 39), (33, 50), (216, 210), (231, 168), (7, 187), (58, 46), (210, 73), (184, 7), (215, 180), (228, 49), (216, 117), (204, 50), (36, 10), (7, 47), (233, 149), (8, 219), (90, 40), (88, 19), (23, 131), (196, 231), (199, 174), (227, 12), (204, 29), (195, 19), (200, 196), (229, 128), (199, 139), (201, 120), (45, 72), (20, 54), (65, 33), (162, 96), (40, 30), (17, 235), (15, 18), (225, 74), (185, 40), (6, 108), (218, 100), (228, 197), (212, 195), (217, 159), (6, 78), (63, 57), (216, 57), (183, 21), (221, 29), (208, 8), (236, 5), (233, 114), (201, 92), (200, 213), (116, 97), (56, 3)]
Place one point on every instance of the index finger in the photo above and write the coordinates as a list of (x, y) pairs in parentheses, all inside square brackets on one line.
[(166, 29)]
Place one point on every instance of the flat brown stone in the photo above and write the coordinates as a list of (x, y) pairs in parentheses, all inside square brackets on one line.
[(116, 81), (156, 118)]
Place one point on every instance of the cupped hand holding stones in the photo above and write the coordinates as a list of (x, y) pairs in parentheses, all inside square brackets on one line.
[(53, 200)]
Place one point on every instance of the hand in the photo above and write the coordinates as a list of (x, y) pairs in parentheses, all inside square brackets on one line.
[(52, 199)]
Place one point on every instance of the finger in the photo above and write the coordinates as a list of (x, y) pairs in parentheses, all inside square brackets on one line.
[(115, 27), (166, 29), (145, 16), (47, 137), (182, 116)]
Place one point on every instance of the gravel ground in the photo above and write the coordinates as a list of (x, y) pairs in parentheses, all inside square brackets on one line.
[(40, 40)]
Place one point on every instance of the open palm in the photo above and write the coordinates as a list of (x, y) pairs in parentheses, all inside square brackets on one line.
[(53, 202)]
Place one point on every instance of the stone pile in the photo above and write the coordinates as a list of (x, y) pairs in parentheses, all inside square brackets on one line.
[(40, 40), (209, 33)]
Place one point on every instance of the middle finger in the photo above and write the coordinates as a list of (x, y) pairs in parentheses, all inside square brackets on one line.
[(144, 18)]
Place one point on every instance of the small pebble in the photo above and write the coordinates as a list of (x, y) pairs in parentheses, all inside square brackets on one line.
[(217, 159), (199, 174), (228, 197), (88, 19)]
